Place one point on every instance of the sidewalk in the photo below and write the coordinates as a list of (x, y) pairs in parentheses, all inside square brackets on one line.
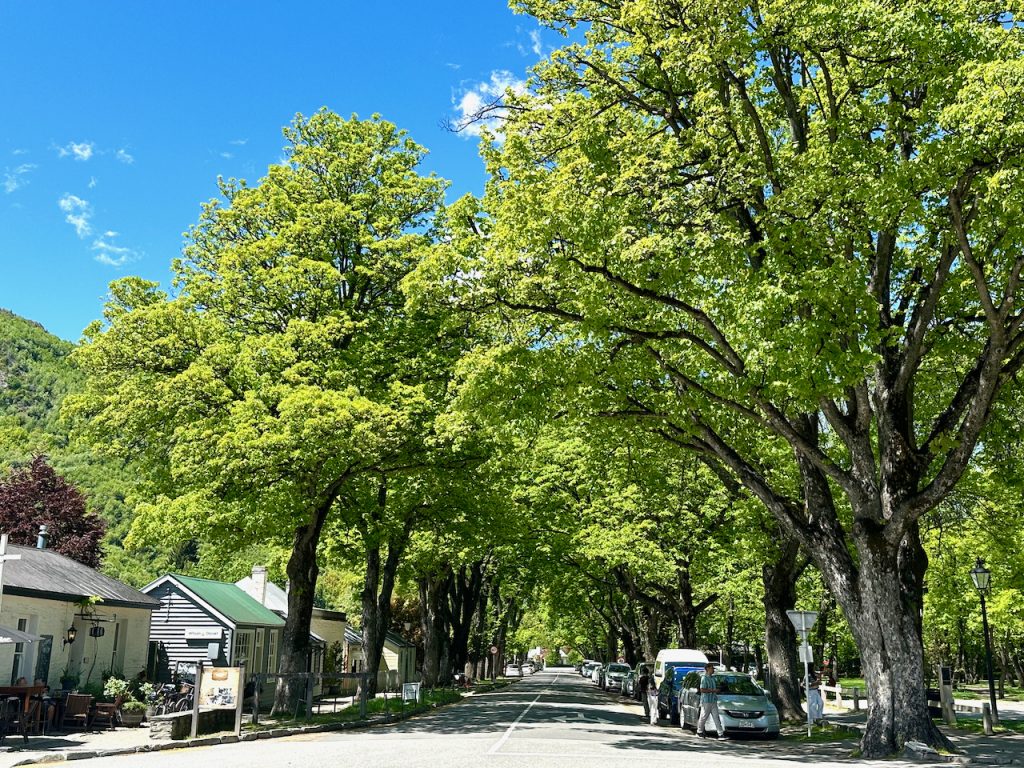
[(125, 741), (975, 748)]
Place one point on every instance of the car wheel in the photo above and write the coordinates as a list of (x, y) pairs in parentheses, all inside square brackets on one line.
[(773, 735), (675, 717)]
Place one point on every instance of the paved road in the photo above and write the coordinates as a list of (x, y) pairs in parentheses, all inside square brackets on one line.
[(553, 719)]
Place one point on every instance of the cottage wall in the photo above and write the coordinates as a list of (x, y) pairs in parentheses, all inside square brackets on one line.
[(176, 614), (122, 649)]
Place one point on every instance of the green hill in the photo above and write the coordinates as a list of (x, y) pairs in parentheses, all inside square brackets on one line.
[(36, 372)]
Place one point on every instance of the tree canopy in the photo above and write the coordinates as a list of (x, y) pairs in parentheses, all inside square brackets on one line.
[(797, 227), (36, 495)]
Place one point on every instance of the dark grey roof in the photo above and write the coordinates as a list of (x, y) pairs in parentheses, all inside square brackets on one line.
[(48, 574), (353, 636)]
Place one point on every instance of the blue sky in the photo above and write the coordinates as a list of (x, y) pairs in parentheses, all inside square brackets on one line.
[(116, 117)]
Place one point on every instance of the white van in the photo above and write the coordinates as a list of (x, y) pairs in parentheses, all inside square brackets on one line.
[(676, 657)]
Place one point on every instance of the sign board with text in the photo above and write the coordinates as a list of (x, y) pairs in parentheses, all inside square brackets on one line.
[(410, 691), (221, 688), (203, 633)]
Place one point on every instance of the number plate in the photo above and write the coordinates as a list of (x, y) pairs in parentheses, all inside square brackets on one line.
[(745, 724)]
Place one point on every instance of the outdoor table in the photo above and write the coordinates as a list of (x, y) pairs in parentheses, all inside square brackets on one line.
[(24, 694)]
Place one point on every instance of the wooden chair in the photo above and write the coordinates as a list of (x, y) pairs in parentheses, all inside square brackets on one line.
[(107, 713), (10, 708), (76, 710), (30, 719)]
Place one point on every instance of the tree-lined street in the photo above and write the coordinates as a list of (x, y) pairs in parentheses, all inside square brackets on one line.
[(730, 331), (553, 719)]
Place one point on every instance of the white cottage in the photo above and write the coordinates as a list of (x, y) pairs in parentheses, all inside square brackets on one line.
[(88, 623)]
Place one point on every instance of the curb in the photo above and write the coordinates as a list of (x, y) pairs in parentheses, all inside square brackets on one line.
[(207, 741)]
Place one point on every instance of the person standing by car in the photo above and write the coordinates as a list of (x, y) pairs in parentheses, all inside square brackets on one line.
[(651, 699), (709, 702), (643, 683)]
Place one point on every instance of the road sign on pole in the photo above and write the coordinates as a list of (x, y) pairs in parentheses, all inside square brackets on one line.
[(802, 622)]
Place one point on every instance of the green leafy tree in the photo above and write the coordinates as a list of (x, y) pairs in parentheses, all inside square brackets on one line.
[(283, 381), (800, 222)]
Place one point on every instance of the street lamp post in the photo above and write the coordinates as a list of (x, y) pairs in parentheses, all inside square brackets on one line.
[(981, 576), (802, 622)]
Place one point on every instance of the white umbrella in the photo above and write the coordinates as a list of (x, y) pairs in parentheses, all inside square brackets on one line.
[(8, 635)]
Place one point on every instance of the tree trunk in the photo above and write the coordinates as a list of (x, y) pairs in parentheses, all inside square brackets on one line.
[(778, 582), (432, 590), (378, 587), (650, 630), (885, 621), (303, 571), (464, 594)]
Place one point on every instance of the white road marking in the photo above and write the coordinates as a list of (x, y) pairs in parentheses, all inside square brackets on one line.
[(579, 717), (505, 736), (501, 742)]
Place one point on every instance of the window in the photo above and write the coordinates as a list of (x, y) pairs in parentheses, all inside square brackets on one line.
[(243, 647), (271, 650), (19, 654), (257, 652)]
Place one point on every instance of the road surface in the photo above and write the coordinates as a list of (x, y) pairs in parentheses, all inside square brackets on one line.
[(553, 719)]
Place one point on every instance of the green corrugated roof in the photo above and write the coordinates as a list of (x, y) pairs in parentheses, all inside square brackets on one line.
[(231, 601)]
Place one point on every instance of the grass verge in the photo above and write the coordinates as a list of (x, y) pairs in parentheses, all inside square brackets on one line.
[(393, 705)]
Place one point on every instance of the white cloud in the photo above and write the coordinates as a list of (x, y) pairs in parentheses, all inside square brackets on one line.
[(81, 151), (479, 107), (111, 254), (226, 155), (537, 49), (239, 142), (77, 212), (19, 152), (92, 182), (124, 157), (14, 180)]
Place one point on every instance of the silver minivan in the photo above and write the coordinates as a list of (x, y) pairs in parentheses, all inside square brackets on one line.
[(743, 706)]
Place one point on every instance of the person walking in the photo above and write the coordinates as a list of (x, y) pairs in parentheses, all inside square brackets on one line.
[(651, 699), (709, 702)]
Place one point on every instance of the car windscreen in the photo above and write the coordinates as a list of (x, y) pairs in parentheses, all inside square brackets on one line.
[(618, 668), (737, 685)]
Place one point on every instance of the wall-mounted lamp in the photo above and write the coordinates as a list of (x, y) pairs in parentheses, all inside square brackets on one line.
[(70, 635)]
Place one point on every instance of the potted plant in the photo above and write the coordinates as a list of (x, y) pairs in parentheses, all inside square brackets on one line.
[(132, 712), (68, 679)]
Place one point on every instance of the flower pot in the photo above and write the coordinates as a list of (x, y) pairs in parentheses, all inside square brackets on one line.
[(132, 718)]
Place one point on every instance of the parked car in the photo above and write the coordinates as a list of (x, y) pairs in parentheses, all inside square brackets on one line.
[(513, 670), (677, 657), (631, 682), (597, 676), (588, 667), (613, 675), (742, 704), (527, 669), (668, 691)]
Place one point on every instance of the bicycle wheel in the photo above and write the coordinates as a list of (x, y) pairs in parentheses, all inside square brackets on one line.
[(185, 705)]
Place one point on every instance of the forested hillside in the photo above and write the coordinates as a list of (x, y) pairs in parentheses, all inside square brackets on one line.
[(34, 376), (36, 372)]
